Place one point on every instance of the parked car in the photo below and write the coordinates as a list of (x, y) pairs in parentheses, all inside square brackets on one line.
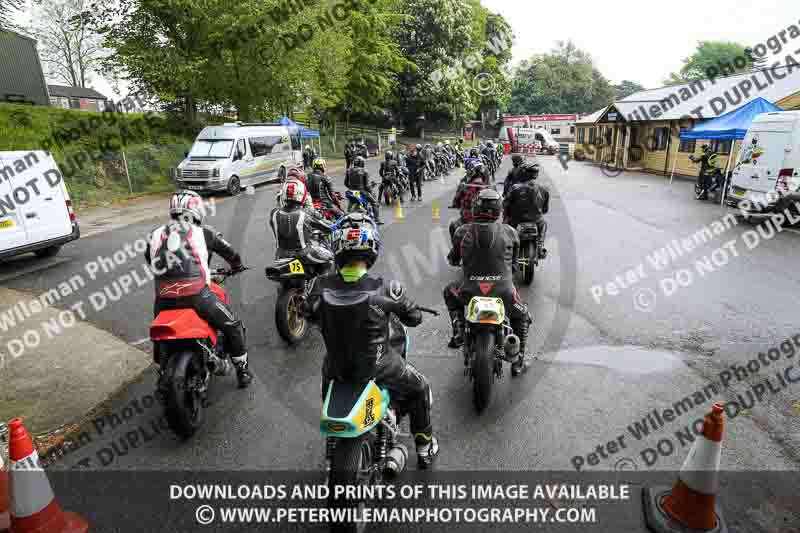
[(767, 171), (35, 210), (235, 155)]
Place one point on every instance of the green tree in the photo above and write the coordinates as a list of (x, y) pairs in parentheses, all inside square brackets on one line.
[(709, 60), (562, 81), (626, 88)]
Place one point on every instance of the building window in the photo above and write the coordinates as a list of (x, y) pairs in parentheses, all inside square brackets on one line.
[(555, 131), (592, 135), (721, 147), (660, 137), (74, 103), (609, 135), (581, 135), (572, 130), (687, 145)]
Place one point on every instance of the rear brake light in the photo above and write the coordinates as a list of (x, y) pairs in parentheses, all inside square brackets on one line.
[(782, 185), (71, 212)]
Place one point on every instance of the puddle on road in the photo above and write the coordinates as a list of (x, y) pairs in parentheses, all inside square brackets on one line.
[(630, 359)]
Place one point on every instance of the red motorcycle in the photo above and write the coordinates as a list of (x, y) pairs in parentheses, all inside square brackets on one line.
[(327, 213), (188, 352)]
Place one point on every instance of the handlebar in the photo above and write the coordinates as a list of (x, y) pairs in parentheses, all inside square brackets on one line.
[(227, 272), (433, 312)]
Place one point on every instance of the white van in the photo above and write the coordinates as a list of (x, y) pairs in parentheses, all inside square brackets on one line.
[(530, 136), (767, 171), (35, 210), (237, 155)]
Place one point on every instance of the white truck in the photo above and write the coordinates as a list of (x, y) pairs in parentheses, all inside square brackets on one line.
[(766, 177), (35, 210), (237, 155)]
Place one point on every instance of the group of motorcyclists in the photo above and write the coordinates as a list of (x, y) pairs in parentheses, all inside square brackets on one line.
[(351, 307)]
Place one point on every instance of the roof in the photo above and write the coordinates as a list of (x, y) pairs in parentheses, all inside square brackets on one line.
[(710, 98), (22, 78), (593, 117), (65, 91)]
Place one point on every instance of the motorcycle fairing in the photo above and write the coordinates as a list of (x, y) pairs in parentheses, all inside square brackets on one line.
[(350, 410), (176, 324), (482, 310)]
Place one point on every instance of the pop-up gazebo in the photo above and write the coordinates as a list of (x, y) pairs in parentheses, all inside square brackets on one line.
[(305, 133), (730, 126)]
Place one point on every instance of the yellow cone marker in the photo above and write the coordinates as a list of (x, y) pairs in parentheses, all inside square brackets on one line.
[(436, 212), (398, 211)]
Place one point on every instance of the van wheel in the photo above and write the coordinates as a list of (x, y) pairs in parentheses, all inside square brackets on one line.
[(50, 251), (234, 187)]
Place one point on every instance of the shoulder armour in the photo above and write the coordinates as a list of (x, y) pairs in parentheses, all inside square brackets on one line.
[(396, 290)]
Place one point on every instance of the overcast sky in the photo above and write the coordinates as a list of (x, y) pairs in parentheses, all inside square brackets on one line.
[(642, 41), (628, 39)]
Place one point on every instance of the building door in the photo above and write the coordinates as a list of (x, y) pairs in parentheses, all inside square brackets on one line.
[(635, 151)]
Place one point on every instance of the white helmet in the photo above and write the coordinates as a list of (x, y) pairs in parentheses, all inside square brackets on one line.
[(293, 190), (187, 204), (447, 142)]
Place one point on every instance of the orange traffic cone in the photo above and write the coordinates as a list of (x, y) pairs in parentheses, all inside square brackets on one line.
[(691, 506), (33, 505), (5, 519)]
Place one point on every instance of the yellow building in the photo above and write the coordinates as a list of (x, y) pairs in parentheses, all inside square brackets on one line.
[(642, 131)]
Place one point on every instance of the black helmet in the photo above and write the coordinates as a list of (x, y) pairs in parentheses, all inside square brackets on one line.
[(516, 160), (389, 155), (359, 162), (473, 152), (530, 171), (487, 206), (418, 147), (479, 169)]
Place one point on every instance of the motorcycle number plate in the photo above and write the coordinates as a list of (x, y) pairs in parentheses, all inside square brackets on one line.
[(296, 267)]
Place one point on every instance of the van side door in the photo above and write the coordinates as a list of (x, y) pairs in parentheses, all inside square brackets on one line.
[(46, 213), (243, 162), (12, 223)]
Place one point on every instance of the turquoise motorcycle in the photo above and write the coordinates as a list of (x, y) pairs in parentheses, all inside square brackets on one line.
[(361, 427)]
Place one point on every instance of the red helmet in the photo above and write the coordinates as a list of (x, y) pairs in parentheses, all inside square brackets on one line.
[(296, 173)]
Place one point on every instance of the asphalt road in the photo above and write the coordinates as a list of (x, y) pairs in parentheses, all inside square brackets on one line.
[(602, 361)]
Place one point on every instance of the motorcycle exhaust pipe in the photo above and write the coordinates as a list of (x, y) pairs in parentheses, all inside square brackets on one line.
[(396, 461), (511, 345)]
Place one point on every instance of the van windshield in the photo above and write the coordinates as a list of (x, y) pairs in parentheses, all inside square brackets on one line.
[(214, 148)]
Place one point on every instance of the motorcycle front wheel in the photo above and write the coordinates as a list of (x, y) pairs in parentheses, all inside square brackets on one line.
[(351, 465), (292, 325), (483, 369), (185, 410)]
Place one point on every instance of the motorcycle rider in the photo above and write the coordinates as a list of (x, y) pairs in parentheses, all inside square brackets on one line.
[(527, 201), (708, 163), (390, 173), (354, 313), (349, 154), (357, 179), (308, 157), (473, 159), (415, 165), (294, 174), (476, 181), (293, 226), (179, 254), (428, 156), (488, 251), (513, 175), (320, 187)]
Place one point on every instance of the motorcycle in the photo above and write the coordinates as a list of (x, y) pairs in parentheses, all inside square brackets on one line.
[(711, 182), (361, 427), (391, 189), (296, 277), (488, 341), (530, 250), (327, 213), (356, 202), (188, 352)]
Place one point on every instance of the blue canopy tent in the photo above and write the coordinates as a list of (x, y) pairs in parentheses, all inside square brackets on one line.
[(730, 126), (305, 133)]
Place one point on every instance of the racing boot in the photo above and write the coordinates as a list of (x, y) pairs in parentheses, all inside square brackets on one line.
[(457, 340), (521, 330), (243, 375), (427, 449)]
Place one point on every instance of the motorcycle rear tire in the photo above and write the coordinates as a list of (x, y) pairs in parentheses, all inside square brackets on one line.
[(527, 252), (350, 465), (292, 334), (185, 410), (483, 370)]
